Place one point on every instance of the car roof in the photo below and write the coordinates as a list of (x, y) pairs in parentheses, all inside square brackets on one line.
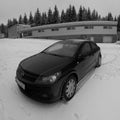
[(74, 41)]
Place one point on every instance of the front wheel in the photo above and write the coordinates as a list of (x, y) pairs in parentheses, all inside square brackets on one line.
[(69, 88)]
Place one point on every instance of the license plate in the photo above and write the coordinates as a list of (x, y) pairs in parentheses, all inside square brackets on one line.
[(22, 85)]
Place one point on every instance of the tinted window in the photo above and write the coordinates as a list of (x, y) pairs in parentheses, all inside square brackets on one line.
[(70, 28), (54, 29), (85, 49), (94, 46), (107, 27), (41, 30), (89, 27)]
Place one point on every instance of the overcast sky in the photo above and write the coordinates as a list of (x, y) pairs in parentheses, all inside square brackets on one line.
[(13, 8)]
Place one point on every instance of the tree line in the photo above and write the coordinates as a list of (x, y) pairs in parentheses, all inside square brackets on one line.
[(54, 16)]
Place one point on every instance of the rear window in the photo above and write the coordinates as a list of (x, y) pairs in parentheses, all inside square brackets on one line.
[(86, 49), (94, 46)]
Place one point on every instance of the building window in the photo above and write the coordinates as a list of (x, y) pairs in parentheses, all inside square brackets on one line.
[(107, 27), (28, 33), (70, 28), (41, 30), (54, 29), (89, 27)]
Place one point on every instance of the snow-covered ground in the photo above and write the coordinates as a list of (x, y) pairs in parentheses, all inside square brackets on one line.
[(98, 97)]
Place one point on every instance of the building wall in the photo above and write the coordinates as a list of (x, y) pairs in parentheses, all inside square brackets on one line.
[(2, 35), (98, 31), (14, 31), (96, 38), (97, 34), (76, 31), (100, 38), (118, 36)]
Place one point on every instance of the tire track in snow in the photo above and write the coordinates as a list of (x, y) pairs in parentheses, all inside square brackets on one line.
[(26, 112), (2, 116), (80, 116), (108, 58)]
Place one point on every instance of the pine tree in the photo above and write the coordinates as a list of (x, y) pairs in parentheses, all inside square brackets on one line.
[(88, 14), (2, 28), (118, 25), (25, 19), (69, 14), (115, 18), (80, 14), (94, 15), (31, 21), (99, 17), (9, 23), (56, 18), (20, 21), (73, 14), (44, 19), (67, 18), (84, 15), (50, 15), (104, 18), (110, 17), (15, 21), (63, 17), (37, 18)]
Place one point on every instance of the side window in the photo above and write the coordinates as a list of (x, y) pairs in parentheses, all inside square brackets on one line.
[(85, 49)]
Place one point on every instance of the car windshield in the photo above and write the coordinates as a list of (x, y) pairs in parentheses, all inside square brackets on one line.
[(62, 49)]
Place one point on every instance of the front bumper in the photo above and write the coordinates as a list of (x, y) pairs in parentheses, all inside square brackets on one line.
[(43, 93)]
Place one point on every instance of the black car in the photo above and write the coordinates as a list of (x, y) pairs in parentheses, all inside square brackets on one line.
[(55, 72)]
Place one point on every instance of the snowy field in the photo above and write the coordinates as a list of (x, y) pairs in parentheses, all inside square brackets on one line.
[(98, 97)]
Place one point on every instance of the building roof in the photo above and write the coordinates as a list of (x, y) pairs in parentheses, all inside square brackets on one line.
[(23, 25), (70, 24), (74, 41)]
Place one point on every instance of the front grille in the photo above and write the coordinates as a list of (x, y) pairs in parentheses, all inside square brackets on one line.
[(26, 75), (30, 76)]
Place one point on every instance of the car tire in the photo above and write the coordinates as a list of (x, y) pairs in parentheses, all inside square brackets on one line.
[(99, 61), (69, 88)]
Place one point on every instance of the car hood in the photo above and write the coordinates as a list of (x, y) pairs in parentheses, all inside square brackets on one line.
[(45, 63)]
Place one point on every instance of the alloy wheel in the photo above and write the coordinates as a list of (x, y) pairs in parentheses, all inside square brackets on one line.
[(69, 89)]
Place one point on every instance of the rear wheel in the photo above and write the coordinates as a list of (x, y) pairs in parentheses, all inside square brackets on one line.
[(69, 88), (99, 61)]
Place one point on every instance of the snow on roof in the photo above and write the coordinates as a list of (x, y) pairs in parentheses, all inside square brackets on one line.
[(20, 25), (70, 24), (77, 40)]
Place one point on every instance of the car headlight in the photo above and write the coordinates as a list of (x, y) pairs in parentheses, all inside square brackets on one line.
[(51, 78)]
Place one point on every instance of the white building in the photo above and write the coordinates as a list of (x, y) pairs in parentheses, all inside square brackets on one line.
[(98, 31), (14, 31)]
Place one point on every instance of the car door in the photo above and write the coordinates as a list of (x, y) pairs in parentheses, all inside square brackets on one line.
[(84, 60)]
